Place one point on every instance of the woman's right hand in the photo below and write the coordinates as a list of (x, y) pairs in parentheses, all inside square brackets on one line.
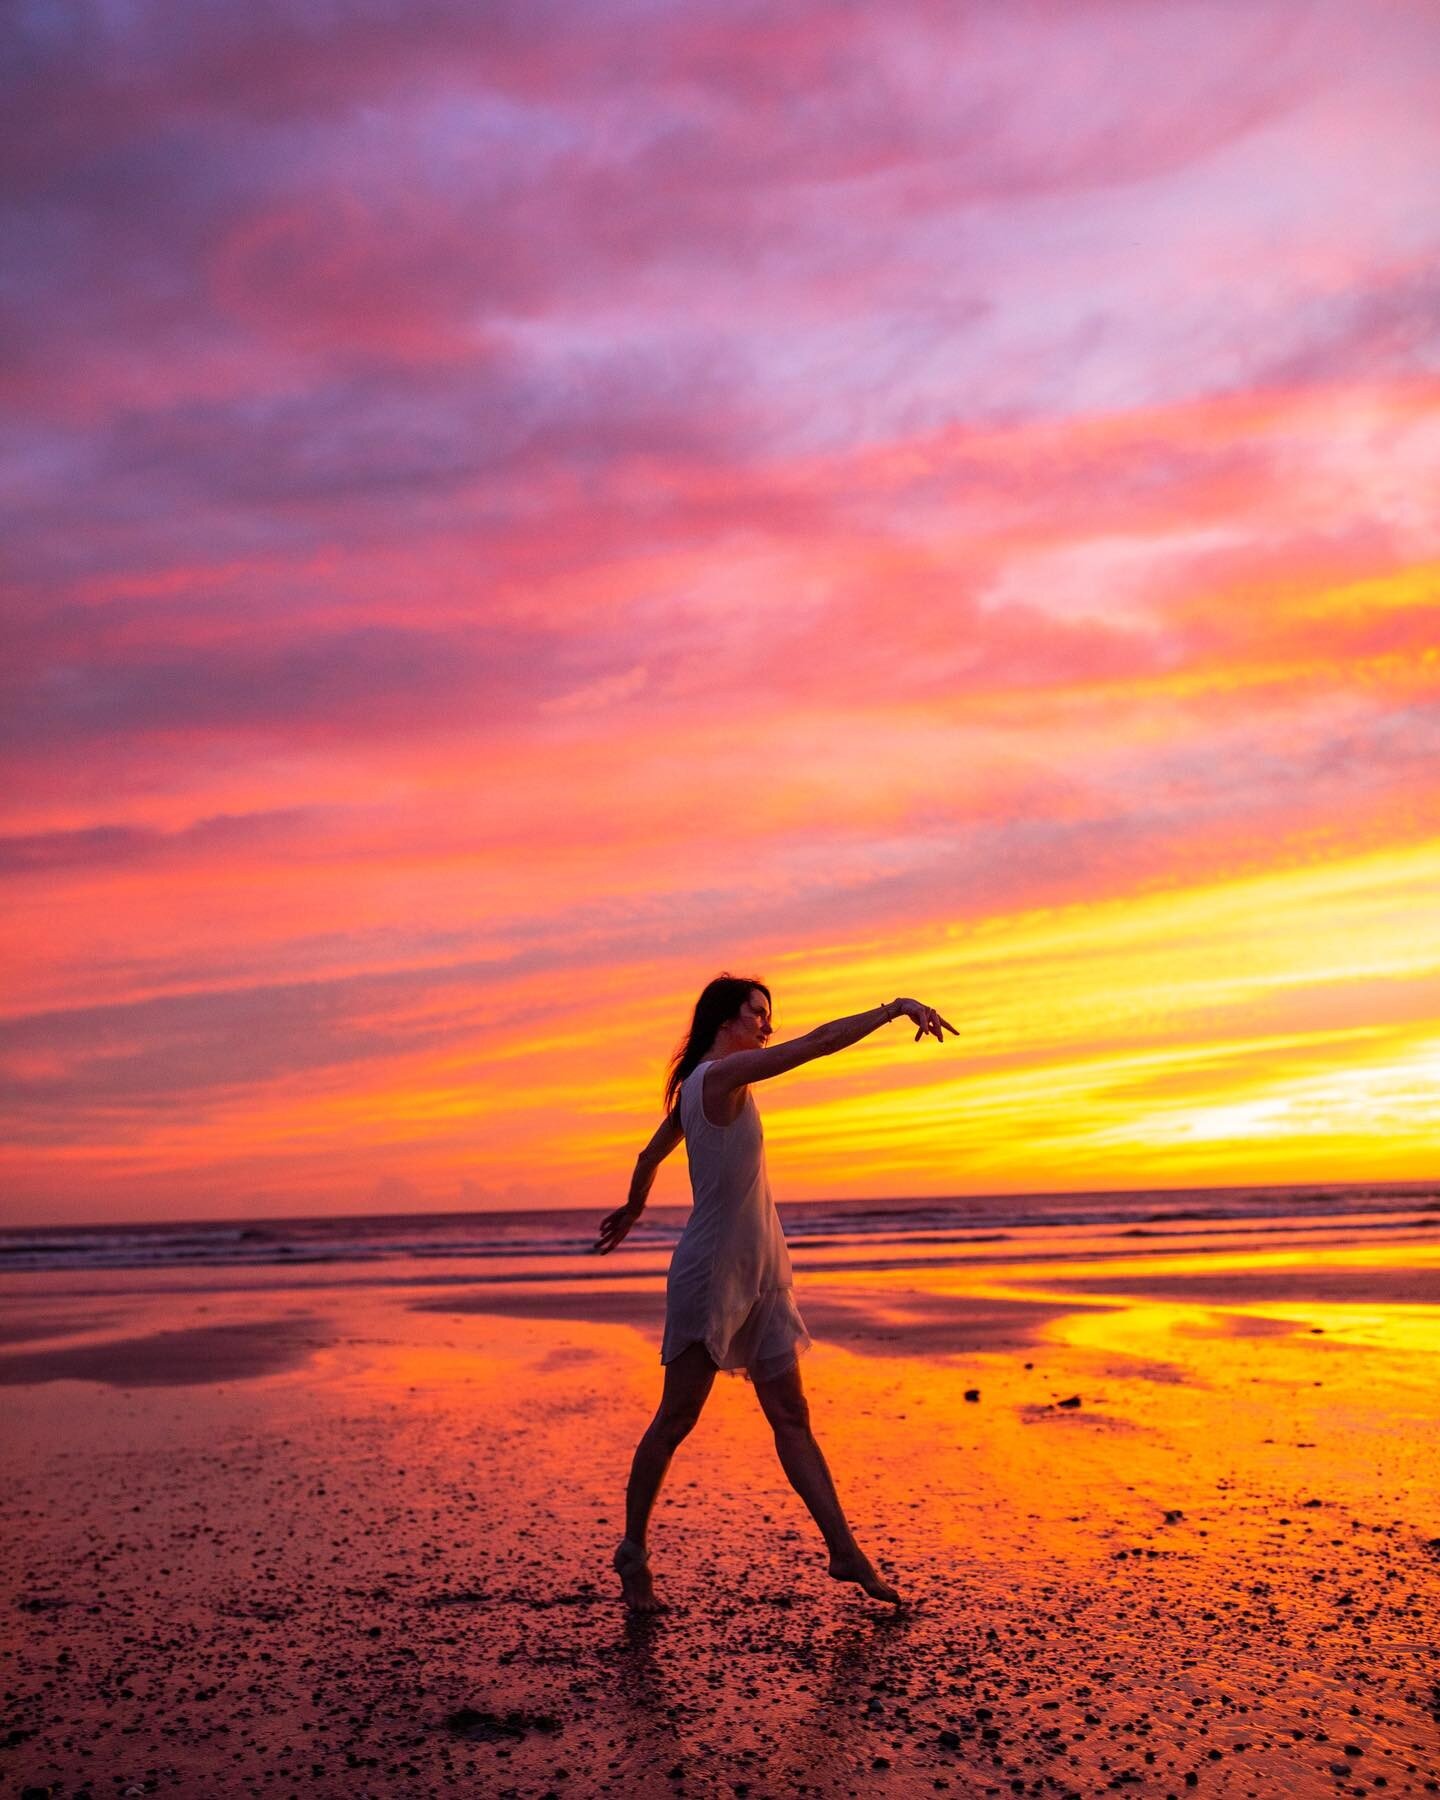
[(927, 1021), (615, 1227)]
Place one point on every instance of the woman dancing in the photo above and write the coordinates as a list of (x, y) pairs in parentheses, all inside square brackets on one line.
[(729, 1303)]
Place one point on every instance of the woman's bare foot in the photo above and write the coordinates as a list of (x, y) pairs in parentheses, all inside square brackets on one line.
[(632, 1565), (857, 1567)]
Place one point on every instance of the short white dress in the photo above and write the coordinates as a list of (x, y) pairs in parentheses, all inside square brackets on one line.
[(730, 1286)]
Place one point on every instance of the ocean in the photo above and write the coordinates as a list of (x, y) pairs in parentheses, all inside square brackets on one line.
[(533, 1245)]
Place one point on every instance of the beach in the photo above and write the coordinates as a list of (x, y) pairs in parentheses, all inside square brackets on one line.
[(1162, 1492)]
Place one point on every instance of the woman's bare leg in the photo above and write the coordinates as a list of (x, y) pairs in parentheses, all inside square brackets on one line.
[(688, 1381), (783, 1398)]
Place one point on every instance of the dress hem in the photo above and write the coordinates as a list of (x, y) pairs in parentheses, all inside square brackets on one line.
[(745, 1369), (728, 1351)]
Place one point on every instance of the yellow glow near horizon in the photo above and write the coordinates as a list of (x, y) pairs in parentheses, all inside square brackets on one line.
[(1282, 1027), (1175, 1036)]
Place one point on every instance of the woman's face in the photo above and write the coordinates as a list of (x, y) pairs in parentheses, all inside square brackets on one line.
[(753, 1023)]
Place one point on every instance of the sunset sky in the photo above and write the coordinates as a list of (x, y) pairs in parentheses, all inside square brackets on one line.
[(512, 509)]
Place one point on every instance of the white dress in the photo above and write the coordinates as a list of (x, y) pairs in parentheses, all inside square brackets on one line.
[(730, 1285)]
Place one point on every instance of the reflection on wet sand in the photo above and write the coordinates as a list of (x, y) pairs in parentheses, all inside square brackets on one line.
[(877, 1320), (197, 1356)]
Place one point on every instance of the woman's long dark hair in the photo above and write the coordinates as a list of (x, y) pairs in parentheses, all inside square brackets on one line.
[(718, 1004)]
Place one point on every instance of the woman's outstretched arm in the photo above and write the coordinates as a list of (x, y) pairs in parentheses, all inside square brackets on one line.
[(668, 1134), (745, 1066)]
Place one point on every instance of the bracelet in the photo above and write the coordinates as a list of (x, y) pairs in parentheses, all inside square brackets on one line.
[(885, 1006)]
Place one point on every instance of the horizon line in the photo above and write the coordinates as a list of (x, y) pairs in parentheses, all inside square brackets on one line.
[(470, 1212)]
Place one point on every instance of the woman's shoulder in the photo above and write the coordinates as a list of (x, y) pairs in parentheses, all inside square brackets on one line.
[(694, 1082)]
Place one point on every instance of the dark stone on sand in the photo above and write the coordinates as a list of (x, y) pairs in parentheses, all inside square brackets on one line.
[(36, 1793), (1074, 1400), (1339, 1768), (1191, 1778), (972, 1394), (1173, 1515), (484, 1727), (1312, 1502), (950, 1739)]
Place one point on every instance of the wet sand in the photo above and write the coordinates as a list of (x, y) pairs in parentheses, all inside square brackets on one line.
[(352, 1540), (201, 1355)]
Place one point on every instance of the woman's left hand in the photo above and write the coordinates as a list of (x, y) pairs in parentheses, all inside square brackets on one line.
[(614, 1228), (925, 1019)]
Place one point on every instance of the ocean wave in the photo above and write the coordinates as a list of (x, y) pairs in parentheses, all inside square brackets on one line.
[(810, 1225)]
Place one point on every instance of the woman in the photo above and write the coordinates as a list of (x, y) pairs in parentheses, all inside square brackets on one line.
[(729, 1303)]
